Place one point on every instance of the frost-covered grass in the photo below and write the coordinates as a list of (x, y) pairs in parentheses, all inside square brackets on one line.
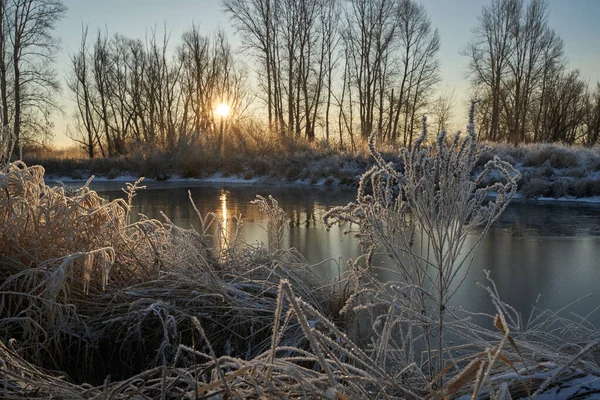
[(94, 306), (85, 292), (548, 170), (307, 163), (554, 170)]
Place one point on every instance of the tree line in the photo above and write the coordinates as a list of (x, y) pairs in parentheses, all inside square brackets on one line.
[(131, 91), (332, 70), (376, 62), (351, 66), (318, 74), (518, 68)]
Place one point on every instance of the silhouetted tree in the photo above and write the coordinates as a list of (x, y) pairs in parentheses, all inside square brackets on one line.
[(257, 22), (370, 30), (130, 91), (593, 119), (516, 62), (419, 44), (209, 75), (80, 84), (28, 46), (441, 110)]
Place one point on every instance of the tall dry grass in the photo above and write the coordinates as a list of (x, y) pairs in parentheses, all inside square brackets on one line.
[(84, 291)]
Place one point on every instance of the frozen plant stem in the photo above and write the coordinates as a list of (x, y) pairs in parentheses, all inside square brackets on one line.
[(420, 217), (276, 221)]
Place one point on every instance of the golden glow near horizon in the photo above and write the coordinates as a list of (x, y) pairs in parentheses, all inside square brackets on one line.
[(222, 110)]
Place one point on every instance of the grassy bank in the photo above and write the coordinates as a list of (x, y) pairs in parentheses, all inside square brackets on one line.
[(547, 170), (247, 155), (554, 170), (93, 306)]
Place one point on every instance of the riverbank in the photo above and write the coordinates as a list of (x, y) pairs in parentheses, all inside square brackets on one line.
[(548, 171), (266, 185)]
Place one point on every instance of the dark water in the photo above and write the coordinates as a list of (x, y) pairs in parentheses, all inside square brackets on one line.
[(544, 254)]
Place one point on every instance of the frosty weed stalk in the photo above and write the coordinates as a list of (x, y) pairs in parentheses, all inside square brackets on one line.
[(420, 219)]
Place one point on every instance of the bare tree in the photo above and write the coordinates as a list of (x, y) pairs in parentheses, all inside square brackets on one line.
[(553, 64), (514, 59), (256, 21), (310, 63), (392, 49), (293, 43), (80, 85), (593, 119), (565, 110), (161, 94), (101, 67), (197, 80), (384, 44), (4, 62), (442, 110), (136, 65), (368, 38), (489, 52), (209, 75), (416, 69), (532, 40), (28, 24), (130, 91), (331, 39)]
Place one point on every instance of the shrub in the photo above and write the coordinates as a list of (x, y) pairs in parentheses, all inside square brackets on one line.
[(586, 187), (560, 187), (329, 181), (544, 170), (536, 187), (260, 165), (564, 157), (294, 171)]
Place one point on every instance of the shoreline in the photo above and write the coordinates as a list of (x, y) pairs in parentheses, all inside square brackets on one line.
[(549, 172), (177, 182), (217, 178)]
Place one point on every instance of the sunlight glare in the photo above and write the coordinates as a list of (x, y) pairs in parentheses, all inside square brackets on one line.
[(222, 110)]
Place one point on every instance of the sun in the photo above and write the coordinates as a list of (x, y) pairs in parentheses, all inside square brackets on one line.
[(222, 110)]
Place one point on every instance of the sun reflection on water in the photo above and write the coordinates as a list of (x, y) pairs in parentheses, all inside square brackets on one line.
[(224, 228)]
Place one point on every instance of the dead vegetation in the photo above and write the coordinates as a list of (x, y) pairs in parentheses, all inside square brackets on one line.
[(93, 306)]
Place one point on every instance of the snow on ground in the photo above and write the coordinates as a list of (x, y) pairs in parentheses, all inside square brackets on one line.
[(593, 199), (217, 178), (121, 178), (558, 384), (583, 387)]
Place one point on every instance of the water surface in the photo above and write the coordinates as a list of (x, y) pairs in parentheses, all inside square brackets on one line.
[(543, 254)]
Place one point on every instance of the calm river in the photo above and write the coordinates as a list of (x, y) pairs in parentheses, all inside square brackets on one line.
[(544, 254)]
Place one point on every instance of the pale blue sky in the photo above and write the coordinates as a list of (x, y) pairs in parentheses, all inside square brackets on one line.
[(577, 22)]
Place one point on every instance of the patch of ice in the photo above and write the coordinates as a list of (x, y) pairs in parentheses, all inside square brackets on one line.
[(584, 387)]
